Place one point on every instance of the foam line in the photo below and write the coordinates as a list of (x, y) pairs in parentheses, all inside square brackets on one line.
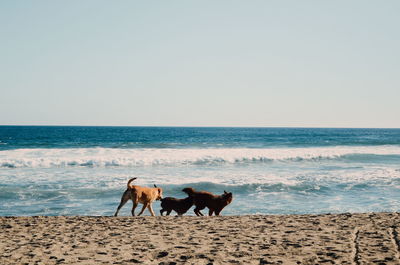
[(109, 157)]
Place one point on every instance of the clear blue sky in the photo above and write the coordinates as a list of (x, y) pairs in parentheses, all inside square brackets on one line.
[(200, 63)]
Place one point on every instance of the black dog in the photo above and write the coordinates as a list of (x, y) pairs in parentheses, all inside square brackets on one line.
[(203, 199), (180, 206)]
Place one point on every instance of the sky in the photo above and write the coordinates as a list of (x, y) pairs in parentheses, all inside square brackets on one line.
[(200, 63)]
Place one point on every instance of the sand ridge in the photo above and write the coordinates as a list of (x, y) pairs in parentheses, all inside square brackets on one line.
[(370, 238)]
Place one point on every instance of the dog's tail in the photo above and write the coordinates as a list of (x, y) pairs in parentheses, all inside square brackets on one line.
[(129, 182)]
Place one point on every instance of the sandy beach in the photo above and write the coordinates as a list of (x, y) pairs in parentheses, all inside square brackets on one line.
[(370, 238)]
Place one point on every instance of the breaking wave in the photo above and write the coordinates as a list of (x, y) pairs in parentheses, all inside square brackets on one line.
[(109, 157)]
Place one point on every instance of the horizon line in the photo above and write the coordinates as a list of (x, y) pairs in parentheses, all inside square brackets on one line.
[(195, 126)]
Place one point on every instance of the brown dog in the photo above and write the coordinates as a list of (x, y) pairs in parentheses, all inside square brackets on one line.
[(180, 206), (203, 199), (138, 194)]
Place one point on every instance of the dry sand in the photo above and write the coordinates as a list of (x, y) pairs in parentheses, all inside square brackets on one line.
[(371, 238)]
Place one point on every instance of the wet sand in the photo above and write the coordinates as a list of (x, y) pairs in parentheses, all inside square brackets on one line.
[(371, 238)]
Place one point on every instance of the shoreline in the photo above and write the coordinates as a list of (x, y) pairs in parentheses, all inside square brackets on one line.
[(358, 238)]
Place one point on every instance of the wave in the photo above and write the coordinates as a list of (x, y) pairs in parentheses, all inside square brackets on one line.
[(109, 157), (50, 193), (301, 196)]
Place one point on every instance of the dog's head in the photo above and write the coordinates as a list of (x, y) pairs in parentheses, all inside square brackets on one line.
[(227, 196), (189, 191), (159, 195)]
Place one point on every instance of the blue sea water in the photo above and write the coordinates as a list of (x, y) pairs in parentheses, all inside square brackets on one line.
[(56, 170)]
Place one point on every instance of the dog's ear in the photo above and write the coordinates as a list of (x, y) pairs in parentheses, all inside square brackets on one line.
[(227, 194), (188, 191)]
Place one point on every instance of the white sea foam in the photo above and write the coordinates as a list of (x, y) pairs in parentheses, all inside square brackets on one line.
[(108, 157)]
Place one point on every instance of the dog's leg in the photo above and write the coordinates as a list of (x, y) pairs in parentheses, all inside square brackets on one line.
[(197, 211), (125, 197), (210, 212), (169, 212), (151, 209), (161, 212), (217, 211), (135, 200), (144, 207), (135, 204), (201, 208)]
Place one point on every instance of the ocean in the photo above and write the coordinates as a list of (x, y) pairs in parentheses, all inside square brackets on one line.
[(73, 170)]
